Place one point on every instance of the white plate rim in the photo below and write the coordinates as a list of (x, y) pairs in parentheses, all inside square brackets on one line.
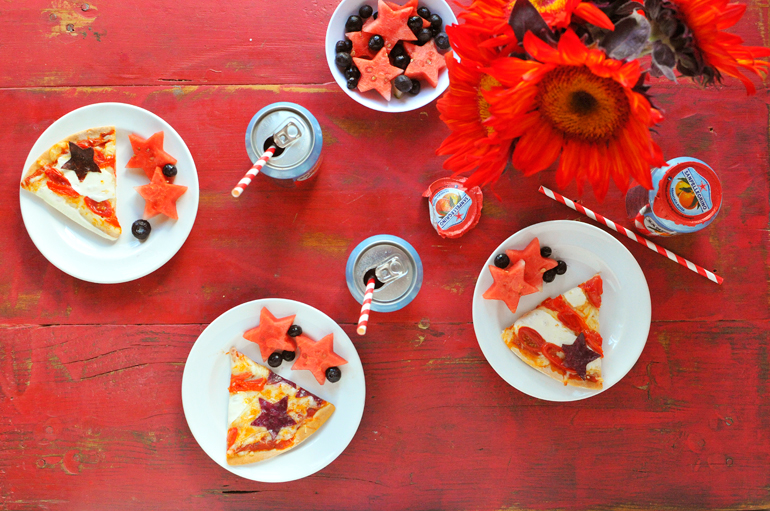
[(642, 303), (256, 472), (36, 232)]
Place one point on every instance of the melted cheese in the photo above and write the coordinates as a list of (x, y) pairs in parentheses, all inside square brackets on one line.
[(547, 326), (60, 203), (575, 297), (98, 186)]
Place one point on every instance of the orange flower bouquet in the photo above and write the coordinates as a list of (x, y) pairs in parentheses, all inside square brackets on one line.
[(538, 81)]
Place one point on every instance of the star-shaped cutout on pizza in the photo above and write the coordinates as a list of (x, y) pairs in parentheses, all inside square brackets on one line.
[(391, 25), (509, 285), (149, 154), (274, 416), (272, 334), (81, 161), (317, 357), (536, 264), (578, 355), (377, 73), (160, 196)]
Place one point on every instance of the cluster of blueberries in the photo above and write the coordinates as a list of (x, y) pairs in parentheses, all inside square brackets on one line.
[(333, 374), (398, 56), (502, 261)]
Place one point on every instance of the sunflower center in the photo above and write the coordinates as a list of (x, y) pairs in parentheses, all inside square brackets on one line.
[(581, 105), (544, 5), (485, 83)]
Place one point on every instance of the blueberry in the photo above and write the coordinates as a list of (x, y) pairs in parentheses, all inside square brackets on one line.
[(333, 374), (288, 356), (295, 330), (435, 31), (403, 83), (365, 11), (376, 43), (141, 229), (374, 16), (545, 251), (561, 268), (343, 60), (442, 41), (352, 72), (435, 21), (275, 359), (401, 61), (423, 36), (351, 83), (397, 50), (169, 170), (549, 275), (414, 23), (345, 45), (354, 24), (423, 12), (415, 90), (502, 261)]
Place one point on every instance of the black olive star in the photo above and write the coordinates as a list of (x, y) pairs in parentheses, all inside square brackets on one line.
[(578, 355), (81, 161)]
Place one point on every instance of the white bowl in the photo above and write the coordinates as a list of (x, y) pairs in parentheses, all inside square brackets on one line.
[(372, 99)]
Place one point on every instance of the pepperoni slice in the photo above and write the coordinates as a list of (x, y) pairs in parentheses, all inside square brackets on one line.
[(593, 289), (64, 190), (594, 341), (232, 434), (103, 208), (551, 352), (530, 340)]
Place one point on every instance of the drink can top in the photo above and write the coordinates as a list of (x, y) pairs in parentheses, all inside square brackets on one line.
[(686, 191), (396, 265), (454, 210), (300, 155)]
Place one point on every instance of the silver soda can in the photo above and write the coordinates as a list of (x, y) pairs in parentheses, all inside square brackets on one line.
[(297, 136), (396, 266)]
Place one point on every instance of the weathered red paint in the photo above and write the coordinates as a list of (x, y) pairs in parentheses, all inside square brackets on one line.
[(90, 408)]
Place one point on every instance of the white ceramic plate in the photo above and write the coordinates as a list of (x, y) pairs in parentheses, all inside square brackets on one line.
[(372, 99), (86, 255), (624, 317), (207, 376)]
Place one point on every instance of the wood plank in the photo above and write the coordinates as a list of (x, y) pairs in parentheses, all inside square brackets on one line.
[(191, 42), (375, 168), (93, 414)]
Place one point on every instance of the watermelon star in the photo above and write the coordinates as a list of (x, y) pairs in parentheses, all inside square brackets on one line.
[(536, 264), (317, 357), (360, 42), (391, 25), (149, 154), (426, 62), (509, 285), (160, 196), (377, 73), (271, 334)]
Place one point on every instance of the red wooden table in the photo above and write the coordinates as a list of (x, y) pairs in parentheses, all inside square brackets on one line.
[(90, 403)]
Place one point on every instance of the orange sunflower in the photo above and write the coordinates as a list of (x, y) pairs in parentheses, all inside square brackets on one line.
[(463, 108), (556, 13), (576, 103), (722, 51)]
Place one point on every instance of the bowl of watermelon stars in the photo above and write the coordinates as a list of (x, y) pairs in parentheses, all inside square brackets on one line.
[(390, 55)]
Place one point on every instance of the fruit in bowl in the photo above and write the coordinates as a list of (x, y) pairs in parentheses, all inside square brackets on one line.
[(392, 50)]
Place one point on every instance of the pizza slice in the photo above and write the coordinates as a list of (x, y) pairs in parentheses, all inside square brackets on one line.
[(267, 414), (560, 337), (77, 177)]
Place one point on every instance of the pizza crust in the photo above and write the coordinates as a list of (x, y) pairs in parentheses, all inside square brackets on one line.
[(71, 208), (546, 370), (304, 431)]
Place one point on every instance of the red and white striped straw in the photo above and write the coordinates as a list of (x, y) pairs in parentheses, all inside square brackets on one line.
[(639, 239), (363, 320), (253, 171)]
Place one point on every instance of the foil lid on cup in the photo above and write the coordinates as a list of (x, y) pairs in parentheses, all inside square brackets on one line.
[(454, 210)]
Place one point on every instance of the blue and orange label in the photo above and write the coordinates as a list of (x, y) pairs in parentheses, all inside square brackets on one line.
[(690, 193)]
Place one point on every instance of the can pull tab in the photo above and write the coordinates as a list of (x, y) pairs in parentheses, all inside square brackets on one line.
[(390, 270), (287, 134)]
